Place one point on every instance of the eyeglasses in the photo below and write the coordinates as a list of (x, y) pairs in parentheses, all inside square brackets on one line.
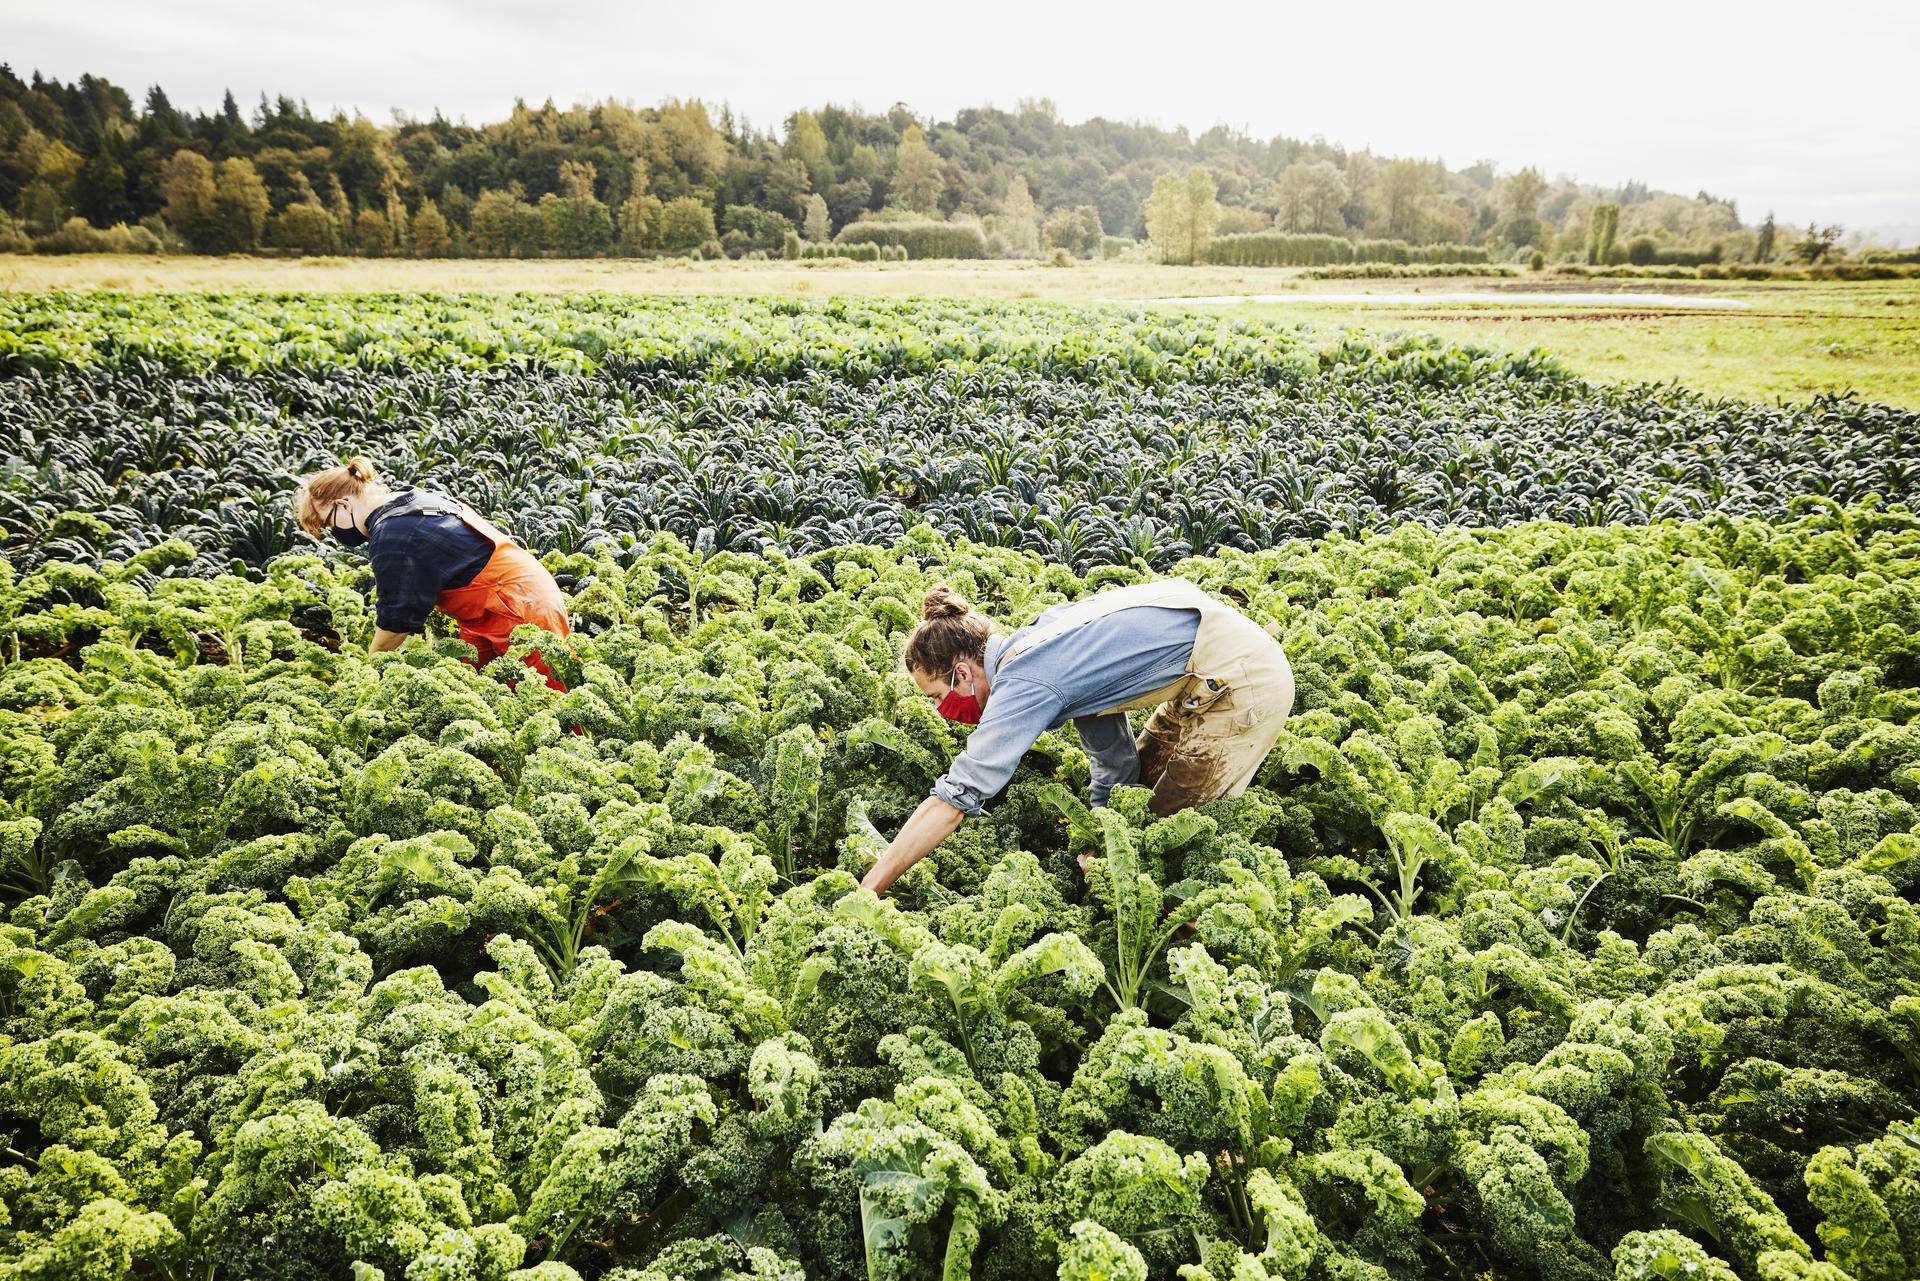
[(952, 685)]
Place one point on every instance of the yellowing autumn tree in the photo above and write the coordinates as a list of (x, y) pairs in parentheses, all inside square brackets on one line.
[(1404, 188), (1020, 221), (1203, 212), (430, 239), (818, 227), (807, 143), (917, 180), (186, 187), (1181, 215)]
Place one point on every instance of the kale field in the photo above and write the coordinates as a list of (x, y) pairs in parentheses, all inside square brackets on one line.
[(1569, 934), (1087, 439)]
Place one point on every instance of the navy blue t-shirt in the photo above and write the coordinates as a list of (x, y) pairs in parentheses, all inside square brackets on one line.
[(419, 550)]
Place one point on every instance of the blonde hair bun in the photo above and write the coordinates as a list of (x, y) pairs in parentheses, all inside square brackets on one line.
[(322, 489)]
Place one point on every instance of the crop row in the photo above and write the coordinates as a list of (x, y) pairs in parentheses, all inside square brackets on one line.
[(853, 339), (1568, 933), (1084, 467)]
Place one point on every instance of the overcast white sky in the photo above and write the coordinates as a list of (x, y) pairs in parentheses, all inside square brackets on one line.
[(1809, 110)]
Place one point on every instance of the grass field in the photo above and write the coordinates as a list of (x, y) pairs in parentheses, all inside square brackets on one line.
[(1789, 339), (1793, 340)]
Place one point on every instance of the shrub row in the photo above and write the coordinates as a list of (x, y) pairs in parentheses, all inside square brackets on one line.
[(78, 236), (1657, 257), (1747, 271), (858, 251), (923, 238), (1418, 270), (1287, 249)]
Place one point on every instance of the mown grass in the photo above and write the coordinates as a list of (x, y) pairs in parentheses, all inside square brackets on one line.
[(1793, 339)]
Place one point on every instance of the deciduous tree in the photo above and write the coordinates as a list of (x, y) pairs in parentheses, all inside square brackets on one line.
[(303, 228), (576, 223), (372, 235), (430, 239), (1520, 207), (1019, 220), (1203, 212), (1326, 196), (685, 224), (240, 205), (846, 201), (1077, 230), (340, 209), (1404, 188), (917, 181), (818, 227), (640, 224), (187, 188), (1286, 197), (807, 143), (399, 225), (1601, 231), (1166, 217), (1818, 242), (501, 223)]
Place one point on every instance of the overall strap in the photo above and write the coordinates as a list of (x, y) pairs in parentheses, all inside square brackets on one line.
[(438, 505), (1176, 593), (429, 503)]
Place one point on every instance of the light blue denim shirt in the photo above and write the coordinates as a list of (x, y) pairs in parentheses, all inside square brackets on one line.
[(1072, 677)]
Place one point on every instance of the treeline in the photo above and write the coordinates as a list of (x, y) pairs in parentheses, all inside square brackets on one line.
[(82, 167)]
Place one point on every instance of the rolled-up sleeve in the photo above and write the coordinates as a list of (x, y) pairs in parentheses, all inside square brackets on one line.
[(1110, 749), (417, 556), (1018, 712)]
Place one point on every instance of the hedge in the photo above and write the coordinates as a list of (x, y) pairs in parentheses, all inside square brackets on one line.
[(1289, 249), (925, 238), (1406, 271)]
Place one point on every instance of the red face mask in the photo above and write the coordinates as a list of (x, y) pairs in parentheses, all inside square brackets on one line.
[(962, 708)]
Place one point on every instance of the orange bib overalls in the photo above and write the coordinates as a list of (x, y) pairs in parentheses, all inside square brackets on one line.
[(510, 589)]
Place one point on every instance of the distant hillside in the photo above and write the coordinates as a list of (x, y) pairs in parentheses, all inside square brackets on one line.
[(611, 178)]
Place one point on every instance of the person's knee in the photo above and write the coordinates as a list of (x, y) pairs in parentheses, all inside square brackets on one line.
[(1158, 744), (1189, 779)]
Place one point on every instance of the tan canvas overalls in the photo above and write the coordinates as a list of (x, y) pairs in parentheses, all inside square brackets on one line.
[(1212, 729)]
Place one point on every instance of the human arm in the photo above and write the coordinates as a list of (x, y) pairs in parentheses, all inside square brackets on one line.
[(1108, 741), (923, 831), (414, 559), (1017, 713)]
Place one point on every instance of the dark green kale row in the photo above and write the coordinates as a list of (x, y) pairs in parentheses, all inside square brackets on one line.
[(1086, 438), (1568, 934)]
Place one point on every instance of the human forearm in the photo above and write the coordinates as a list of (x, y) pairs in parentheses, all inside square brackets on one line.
[(384, 640), (1018, 714), (929, 825)]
